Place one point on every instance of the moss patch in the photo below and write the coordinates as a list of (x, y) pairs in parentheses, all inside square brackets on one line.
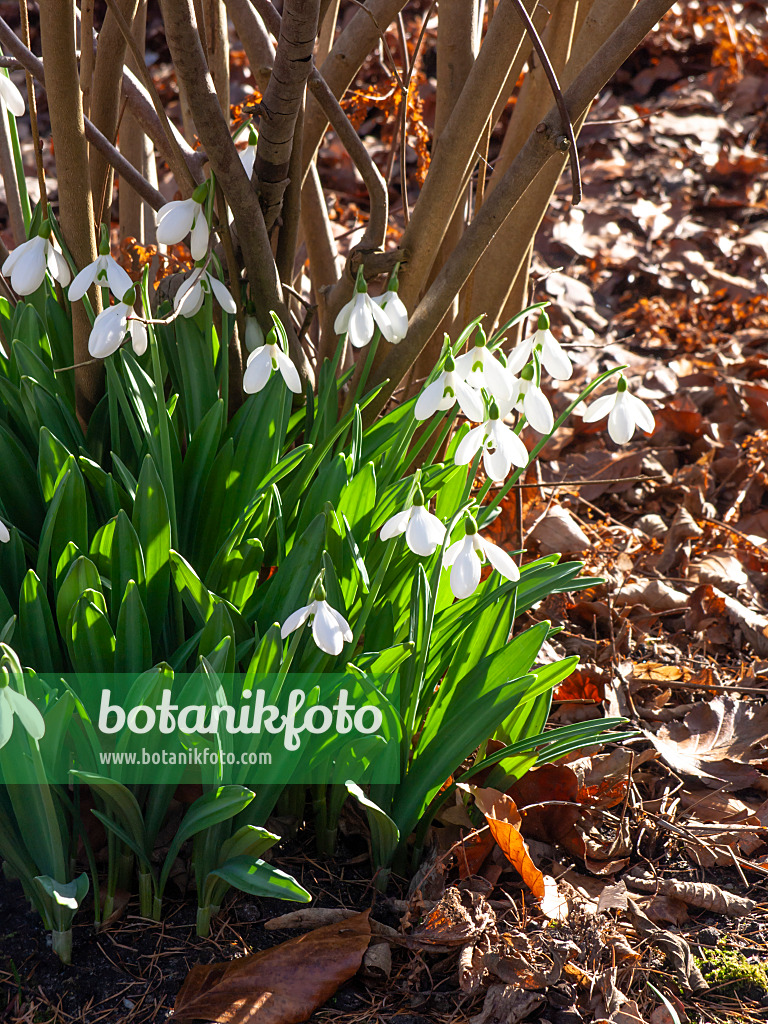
[(731, 972)]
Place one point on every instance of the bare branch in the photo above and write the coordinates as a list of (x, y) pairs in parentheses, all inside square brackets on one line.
[(186, 50), (57, 30), (282, 102), (539, 148)]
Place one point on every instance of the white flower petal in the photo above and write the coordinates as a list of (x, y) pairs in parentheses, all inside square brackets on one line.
[(5, 535), (117, 278), (190, 296), (346, 632), (599, 408), (381, 318), (11, 97), (83, 281), (538, 411), (398, 316), (425, 532), (519, 356), (498, 379), (108, 331), (247, 159), (500, 560), (222, 295), (139, 338), (496, 464), (327, 633), (470, 444), (296, 619), (360, 329), (642, 414), (510, 443), (57, 265), (258, 371), (289, 372), (553, 357), (174, 221), (396, 524), (430, 400), (465, 572), (28, 271), (621, 422), (470, 401), (341, 323), (453, 551), (198, 243)]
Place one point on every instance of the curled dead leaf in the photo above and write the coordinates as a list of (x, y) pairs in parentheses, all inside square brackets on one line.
[(503, 817), (281, 985)]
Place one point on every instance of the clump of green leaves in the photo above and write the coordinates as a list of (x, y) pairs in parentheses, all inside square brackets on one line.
[(732, 972)]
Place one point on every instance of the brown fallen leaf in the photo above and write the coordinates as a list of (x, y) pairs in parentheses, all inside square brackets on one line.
[(281, 985), (309, 918), (696, 894), (719, 741), (667, 910), (679, 955), (507, 1004), (460, 916), (503, 817)]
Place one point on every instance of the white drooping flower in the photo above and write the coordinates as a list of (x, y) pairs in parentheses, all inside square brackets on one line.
[(424, 532), (177, 219), (395, 309), (551, 354), (29, 261), (14, 703), (11, 97), (501, 447), (448, 388), (528, 398), (266, 359), (467, 556), (329, 628), (112, 325), (624, 410), (361, 315), (5, 535), (254, 335), (482, 369), (248, 155), (104, 271), (191, 295)]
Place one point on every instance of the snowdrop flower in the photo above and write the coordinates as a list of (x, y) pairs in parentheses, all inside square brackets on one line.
[(466, 558), (248, 155), (424, 533), (547, 347), (528, 398), (29, 261), (113, 324), (11, 97), (191, 295), (361, 315), (624, 411), (482, 369), (14, 703), (254, 335), (264, 360), (395, 308), (449, 387), (501, 447), (329, 628), (5, 535), (175, 220), (103, 271)]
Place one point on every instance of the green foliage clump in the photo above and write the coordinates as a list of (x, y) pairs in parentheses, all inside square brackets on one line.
[(732, 972)]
